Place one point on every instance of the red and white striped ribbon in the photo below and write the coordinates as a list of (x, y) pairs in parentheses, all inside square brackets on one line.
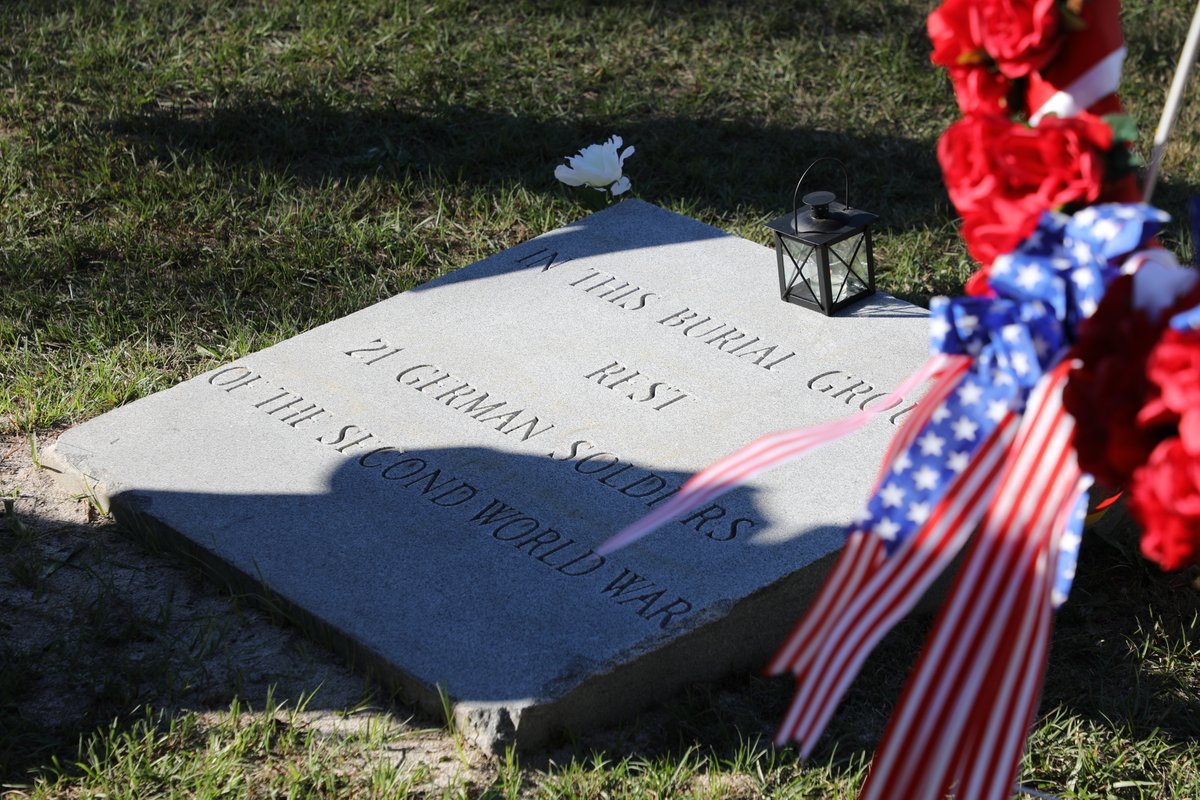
[(1003, 715), (967, 706), (864, 553), (1084, 76), (828, 648)]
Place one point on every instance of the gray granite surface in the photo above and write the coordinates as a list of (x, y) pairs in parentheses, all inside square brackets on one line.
[(423, 482)]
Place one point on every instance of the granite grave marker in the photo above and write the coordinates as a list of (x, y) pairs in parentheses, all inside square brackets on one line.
[(424, 481)]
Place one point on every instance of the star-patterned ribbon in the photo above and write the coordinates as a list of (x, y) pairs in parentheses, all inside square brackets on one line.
[(989, 445)]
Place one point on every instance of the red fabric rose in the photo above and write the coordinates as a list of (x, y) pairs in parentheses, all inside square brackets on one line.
[(1165, 497), (1164, 494), (950, 28), (986, 44), (979, 87), (1002, 175), (1108, 389), (1021, 35)]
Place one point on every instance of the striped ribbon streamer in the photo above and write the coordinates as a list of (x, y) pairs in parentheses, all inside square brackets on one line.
[(967, 707), (1001, 718), (868, 594), (776, 449)]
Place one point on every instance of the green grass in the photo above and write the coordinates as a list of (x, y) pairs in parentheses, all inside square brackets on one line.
[(182, 183), (240, 753)]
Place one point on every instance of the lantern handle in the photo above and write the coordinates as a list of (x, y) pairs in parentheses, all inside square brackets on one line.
[(796, 193)]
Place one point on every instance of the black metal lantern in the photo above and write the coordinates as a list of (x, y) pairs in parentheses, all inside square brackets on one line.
[(824, 250)]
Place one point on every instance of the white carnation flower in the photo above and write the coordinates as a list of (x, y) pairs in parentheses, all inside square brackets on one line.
[(598, 166)]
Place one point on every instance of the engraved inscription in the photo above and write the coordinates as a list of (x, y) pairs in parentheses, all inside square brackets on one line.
[(235, 377), (287, 407), (529, 535), (640, 485), (374, 348), (649, 488), (477, 404), (416, 473), (545, 258), (411, 471), (290, 408), (646, 598), (726, 338), (540, 542), (347, 437), (642, 389), (457, 393), (855, 392), (612, 289)]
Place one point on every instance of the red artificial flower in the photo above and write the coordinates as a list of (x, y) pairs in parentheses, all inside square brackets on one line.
[(1174, 367), (955, 41), (986, 44), (979, 87), (1163, 494), (1002, 175), (1165, 497), (1020, 35), (1109, 388)]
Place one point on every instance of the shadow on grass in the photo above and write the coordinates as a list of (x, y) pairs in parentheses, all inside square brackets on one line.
[(1126, 642), (1123, 657), (709, 167), (717, 164)]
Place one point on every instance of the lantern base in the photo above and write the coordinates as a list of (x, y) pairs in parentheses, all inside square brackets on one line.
[(799, 299)]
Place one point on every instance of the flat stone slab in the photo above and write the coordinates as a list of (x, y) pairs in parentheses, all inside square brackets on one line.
[(424, 482)]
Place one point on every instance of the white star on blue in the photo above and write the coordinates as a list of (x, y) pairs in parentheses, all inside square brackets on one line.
[(1068, 552), (1045, 287)]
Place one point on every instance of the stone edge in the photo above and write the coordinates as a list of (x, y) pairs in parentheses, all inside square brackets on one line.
[(754, 626)]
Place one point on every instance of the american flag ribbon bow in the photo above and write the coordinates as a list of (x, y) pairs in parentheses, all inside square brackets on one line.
[(988, 450)]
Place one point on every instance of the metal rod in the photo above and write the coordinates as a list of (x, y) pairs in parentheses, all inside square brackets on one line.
[(1171, 109)]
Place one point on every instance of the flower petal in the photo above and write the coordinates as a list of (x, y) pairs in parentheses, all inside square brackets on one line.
[(567, 175), (620, 187)]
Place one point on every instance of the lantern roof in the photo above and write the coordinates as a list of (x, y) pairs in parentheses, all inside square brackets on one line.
[(840, 222)]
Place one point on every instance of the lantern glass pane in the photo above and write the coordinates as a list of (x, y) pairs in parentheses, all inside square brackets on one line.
[(848, 268), (802, 277)]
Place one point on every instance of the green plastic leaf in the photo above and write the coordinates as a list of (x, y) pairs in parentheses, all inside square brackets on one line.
[(1123, 127)]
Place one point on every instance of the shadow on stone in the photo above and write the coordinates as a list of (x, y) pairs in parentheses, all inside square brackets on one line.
[(430, 580)]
